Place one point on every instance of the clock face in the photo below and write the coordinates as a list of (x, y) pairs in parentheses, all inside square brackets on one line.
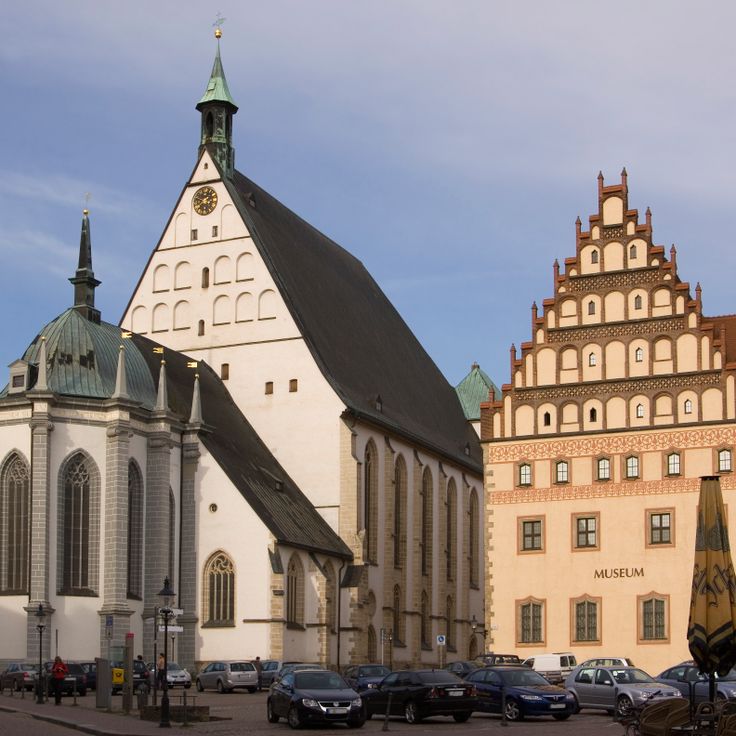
[(205, 200)]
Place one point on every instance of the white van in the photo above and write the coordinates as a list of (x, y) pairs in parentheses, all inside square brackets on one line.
[(555, 667)]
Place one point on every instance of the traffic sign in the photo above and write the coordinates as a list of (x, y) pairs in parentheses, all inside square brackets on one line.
[(108, 621), (177, 611), (175, 629), (441, 640)]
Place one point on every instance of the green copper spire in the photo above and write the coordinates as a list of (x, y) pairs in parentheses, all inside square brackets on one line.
[(217, 108), (84, 279)]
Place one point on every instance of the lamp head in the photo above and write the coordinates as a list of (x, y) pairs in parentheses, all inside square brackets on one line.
[(40, 616), (166, 594), (474, 623)]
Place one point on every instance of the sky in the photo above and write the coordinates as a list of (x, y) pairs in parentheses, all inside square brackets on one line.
[(447, 145)]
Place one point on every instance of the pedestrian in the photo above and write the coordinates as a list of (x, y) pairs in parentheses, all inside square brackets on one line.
[(160, 671), (58, 672), (259, 670)]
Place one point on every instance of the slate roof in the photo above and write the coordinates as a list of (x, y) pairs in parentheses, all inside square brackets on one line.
[(360, 342), (474, 389)]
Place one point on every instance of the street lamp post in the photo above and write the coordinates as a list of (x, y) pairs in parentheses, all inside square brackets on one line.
[(167, 596), (40, 625)]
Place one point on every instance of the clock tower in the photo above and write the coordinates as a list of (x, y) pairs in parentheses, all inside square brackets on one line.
[(217, 108)]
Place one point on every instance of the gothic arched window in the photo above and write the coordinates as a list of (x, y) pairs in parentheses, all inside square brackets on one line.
[(331, 593), (474, 531), (424, 622), (396, 615), (135, 532), (15, 508), (399, 510), (219, 591), (450, 615), (451, 529), (372, 645), (295, 592), (172, 534), (370, 503), (426, 522)]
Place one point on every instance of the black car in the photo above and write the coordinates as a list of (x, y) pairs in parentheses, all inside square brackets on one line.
[(365, 676), (418, 694), (520, 692), (90, 669), (76, 679), (314, 696), (463, 667)]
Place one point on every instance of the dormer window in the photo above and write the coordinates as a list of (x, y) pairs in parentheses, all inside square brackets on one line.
[(19, 377)]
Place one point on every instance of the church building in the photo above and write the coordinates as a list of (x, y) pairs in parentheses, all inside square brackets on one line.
[(263, 428), (623, 398)]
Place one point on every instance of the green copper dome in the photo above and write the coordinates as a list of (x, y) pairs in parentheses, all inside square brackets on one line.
[(474, 389), (82, 358)]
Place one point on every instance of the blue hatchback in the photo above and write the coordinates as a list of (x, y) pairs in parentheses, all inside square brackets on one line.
[(526, 693)]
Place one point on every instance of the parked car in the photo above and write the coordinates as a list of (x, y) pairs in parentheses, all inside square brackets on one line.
[(464, 667), (269, 669), (18, 675), (526, 693), (364, 676), (225, 676), (294, 666), (419, 694), (314, 696), (492, 658), (616, 689), (176, 675), (141, 676), (76, 679), (90, 670), (608, 662), (686, 676), (555, 667)]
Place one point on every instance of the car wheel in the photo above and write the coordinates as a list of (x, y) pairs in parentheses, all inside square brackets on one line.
[(411, 712), (200, 687), (220, 687), (720, 697), (294, 719), (461, 717), (624, 706), (251, 689), (513, 712), (576, 706), (561, 716), (272, 717), (187, 685)]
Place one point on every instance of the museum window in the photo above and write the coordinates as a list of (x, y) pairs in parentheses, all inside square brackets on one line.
[(639, 355), (294, 593), (653, 618), (586, 531), (632, 466), (561, 472), (218, 588), (637, 302), (592, 359), (424, 621), (604, 468), (399, 511), (530, 535), (547, 419), (530, 621), (474, 532), (591, 307), (15, 523), (135, 532), (724, 461), (673, 463), (659, 527), (586, 613), (688, 406), (370, 504), (451, 529), (525, 474), (640, 411), (594, 256)]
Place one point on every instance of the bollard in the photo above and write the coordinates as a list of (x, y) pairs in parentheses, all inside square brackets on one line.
[(23, 692), (184, 700), (388, 710), (74, 692)]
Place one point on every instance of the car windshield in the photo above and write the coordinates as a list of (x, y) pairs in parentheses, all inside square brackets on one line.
[(631, 675), (28, 668), (374, 670), (241, 667), (522, 677), (173, 666), (319, 681), (439, 677)]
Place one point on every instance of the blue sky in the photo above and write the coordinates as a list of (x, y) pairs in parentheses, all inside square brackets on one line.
[(449, 146)]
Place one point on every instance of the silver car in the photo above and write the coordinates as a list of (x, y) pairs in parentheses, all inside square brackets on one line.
[(616, 689), (686, 676), (225, 676), (176, 675)]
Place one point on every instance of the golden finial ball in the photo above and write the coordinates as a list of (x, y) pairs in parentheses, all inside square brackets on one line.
[(218, 33), (85, 211)]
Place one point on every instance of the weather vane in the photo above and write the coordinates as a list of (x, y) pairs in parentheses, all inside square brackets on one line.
[(219, 20)]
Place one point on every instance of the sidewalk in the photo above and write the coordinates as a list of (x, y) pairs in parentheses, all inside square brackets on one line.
[(87, 719)]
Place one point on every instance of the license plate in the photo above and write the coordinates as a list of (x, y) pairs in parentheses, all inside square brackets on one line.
[(337, 711), (455, 693), (557, 705)]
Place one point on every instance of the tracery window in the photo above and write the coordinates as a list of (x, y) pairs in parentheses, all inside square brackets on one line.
[(474, 531), (424, 622), (426, 522), (135, 532), (295, 592), (370, 503), (14, 526), (591, 307), (399, 513), (632, 251), (219, 591), (640, 411), (398, 619), (75, 511), (451, 529)]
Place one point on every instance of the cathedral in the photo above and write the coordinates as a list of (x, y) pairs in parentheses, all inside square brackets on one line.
[(262, 428), (623, 398)]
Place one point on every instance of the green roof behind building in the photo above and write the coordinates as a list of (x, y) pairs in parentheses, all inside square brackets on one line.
[(473, 390)]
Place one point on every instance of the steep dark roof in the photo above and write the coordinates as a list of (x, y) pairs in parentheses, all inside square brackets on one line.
[(362, 345), (241, 454)]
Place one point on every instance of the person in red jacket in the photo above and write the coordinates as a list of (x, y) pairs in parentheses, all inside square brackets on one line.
[(58, 672)]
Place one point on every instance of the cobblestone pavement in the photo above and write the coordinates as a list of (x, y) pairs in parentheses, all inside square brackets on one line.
[(242, 713)]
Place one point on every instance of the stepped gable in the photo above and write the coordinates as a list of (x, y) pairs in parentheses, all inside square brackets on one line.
[(243, 457), (362, 345)]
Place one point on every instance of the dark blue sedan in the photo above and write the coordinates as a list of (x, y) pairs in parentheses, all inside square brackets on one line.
[(365, 676), (526, 693)]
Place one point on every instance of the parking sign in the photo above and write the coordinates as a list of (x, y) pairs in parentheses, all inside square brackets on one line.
[(441, 640)]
